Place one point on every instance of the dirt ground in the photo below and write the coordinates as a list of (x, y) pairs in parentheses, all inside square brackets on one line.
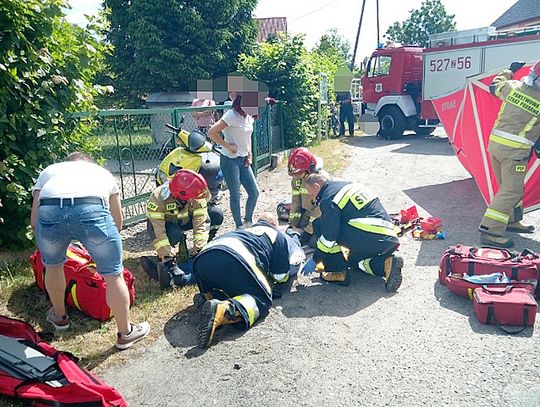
[(356, 345)]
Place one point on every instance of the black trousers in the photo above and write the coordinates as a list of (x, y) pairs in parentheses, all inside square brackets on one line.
[(175, 231), (346, 114), (218, 272)]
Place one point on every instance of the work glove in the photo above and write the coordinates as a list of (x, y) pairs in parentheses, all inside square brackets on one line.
[(516, 66), (309, 267), (170, 274)]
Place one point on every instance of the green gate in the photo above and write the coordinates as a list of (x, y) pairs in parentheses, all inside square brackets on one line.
[(133, 142)]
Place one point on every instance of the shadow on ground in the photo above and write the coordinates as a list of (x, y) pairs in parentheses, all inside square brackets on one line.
[(181, 331), (461, 207), (328, 299), (464, 306), (414, 144)]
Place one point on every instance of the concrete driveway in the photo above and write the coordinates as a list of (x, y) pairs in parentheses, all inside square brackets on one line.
[(324, 345)]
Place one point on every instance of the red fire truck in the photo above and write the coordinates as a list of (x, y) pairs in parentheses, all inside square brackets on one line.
[(400, 82)]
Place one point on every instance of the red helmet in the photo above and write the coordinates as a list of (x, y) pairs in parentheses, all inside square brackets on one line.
[(301, 160), (187, 184), (535, 70)]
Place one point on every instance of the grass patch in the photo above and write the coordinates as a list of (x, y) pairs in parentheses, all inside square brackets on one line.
[(335, 154), (90, 340)]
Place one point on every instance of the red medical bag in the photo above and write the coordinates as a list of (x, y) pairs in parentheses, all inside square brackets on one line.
[(521, 268), (505, 306), (85, 287)]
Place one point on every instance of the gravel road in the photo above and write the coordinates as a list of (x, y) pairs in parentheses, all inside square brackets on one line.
[(324, 345)]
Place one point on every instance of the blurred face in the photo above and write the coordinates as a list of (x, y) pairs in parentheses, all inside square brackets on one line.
[(313, 190), (232, 95)]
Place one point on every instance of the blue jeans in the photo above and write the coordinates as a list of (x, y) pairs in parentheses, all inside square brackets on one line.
[(236, 173), (91, 224)]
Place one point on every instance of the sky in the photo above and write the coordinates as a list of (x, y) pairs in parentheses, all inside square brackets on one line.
[(314, 17)]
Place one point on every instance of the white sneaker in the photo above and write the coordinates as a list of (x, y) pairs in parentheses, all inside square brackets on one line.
[(138, 331)]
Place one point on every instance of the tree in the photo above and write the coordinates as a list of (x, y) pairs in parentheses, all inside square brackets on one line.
[(47, 66), (166, 45), (335, 47), (284, 64), (431, 18)]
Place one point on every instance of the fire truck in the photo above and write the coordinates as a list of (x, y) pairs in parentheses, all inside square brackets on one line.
[(400, 81)]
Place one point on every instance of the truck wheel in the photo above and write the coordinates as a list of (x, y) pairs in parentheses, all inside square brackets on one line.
[(424, 131), (392, 121)]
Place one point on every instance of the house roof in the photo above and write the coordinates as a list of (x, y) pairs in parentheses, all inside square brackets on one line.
[(522, 10), (271, 25)]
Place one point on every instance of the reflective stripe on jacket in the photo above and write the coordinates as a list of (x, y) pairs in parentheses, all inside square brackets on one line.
[(518, 123)]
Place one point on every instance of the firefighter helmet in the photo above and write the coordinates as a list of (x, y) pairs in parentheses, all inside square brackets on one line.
[(301, 160), (186, 185)]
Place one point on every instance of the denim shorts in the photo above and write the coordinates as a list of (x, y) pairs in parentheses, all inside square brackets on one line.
[(91, 224)]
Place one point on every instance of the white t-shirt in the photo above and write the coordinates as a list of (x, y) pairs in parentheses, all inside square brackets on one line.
[(76, 179), (237, 132)]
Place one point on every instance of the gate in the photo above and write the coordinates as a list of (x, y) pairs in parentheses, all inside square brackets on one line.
[(133, 142)]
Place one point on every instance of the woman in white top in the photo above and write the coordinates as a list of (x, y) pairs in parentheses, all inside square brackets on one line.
[(236, 158)]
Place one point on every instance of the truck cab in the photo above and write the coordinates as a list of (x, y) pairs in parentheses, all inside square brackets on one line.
[(392, 88)]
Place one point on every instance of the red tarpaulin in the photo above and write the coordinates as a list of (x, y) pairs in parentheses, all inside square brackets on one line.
[(468, 116)]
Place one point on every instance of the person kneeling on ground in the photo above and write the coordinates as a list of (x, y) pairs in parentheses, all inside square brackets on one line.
[(304, 212), (79, 200), (352, 218), (174, 207), (236, 273)]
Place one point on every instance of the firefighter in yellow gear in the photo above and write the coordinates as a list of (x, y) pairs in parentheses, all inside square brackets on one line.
[(174, 207), (304, 212), (512, 141)]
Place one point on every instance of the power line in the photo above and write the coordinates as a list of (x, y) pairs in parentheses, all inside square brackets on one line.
[(316, 10)]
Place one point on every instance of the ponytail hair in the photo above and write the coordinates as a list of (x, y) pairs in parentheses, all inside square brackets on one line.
[(237, 106)]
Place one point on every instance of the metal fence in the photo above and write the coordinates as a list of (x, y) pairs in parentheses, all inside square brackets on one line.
[(133, 143)]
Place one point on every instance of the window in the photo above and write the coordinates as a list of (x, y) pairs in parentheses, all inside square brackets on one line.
[(379, 66)]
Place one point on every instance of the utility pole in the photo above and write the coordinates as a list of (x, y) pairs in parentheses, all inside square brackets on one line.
[(358, 31), (378, 35)]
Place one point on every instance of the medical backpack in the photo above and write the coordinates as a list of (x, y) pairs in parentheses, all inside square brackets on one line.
[(35, 371), (85, 287), (461, 262)]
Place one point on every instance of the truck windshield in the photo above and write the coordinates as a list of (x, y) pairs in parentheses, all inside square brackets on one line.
[(379, 66)]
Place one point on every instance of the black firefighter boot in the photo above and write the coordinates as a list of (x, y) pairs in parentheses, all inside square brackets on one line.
[(392, 273), (149, 265), (215, 313)]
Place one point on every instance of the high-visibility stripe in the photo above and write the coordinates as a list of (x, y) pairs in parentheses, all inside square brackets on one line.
[(215, 227), (511, 137), (496, 215), (199, 212), (264, 230), (295, 192), (303, 191), (312, 218), (528, 126), (374, 225), (249, 304), (294, 215), (508, 143), (524, 102), (74, 296), (243, 251), (162, 243), (328, 246), (155, 215), (365, 266), (354, 193), (281, 278)]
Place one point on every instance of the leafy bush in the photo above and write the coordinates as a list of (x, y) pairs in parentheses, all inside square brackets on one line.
[(284, 64), (46, 69)]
